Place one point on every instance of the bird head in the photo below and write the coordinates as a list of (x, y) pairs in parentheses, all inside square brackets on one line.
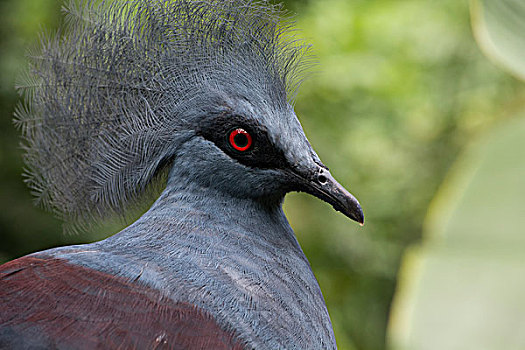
[(250, 149), (201, 89)]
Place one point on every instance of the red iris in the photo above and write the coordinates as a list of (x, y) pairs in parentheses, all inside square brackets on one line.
[(240, 139)]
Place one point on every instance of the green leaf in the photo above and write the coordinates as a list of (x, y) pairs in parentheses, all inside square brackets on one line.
[(499, 28), (463, 288)]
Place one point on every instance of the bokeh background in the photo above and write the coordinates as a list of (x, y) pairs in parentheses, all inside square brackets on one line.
[(414, 119)]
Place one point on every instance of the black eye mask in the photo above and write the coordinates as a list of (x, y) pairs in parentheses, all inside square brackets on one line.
[(260, 154)]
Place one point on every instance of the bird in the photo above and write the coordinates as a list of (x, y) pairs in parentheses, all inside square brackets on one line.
[(190, 104)]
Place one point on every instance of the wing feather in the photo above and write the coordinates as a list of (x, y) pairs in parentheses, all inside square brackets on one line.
[(50, 303)]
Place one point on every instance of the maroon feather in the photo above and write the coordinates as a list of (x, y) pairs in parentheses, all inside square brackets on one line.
[(54, 303)]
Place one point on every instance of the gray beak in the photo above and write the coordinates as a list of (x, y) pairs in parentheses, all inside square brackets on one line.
[(321, 183)]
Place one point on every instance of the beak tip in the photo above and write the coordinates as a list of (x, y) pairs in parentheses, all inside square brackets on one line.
[(360, 217), (354, 212), (361, 220)]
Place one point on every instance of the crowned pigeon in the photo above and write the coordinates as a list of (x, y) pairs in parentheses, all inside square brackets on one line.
[(192, 99)]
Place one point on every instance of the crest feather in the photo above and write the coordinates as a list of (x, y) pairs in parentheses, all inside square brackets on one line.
[(110, 97)]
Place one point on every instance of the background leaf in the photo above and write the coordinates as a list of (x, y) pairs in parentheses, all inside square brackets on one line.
[(499, 28), (463, 287)]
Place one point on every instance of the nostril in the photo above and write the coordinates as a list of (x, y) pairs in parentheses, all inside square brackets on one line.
[(322, 179)]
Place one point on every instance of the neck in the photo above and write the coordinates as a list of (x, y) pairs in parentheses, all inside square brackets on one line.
[(187, 211), (223, 253)]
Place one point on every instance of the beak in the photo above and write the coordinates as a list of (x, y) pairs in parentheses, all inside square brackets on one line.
[(321, 183)]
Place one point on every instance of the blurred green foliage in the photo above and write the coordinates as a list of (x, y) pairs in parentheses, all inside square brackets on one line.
[(400, 89), (499, 28), (462, 287)]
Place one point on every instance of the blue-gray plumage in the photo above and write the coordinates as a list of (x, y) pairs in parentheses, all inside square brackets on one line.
[(195, 95)]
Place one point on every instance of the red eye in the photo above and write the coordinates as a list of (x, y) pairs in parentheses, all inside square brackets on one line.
[(240, 139)]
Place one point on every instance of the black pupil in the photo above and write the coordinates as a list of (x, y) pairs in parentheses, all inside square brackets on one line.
[(241, 140)]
